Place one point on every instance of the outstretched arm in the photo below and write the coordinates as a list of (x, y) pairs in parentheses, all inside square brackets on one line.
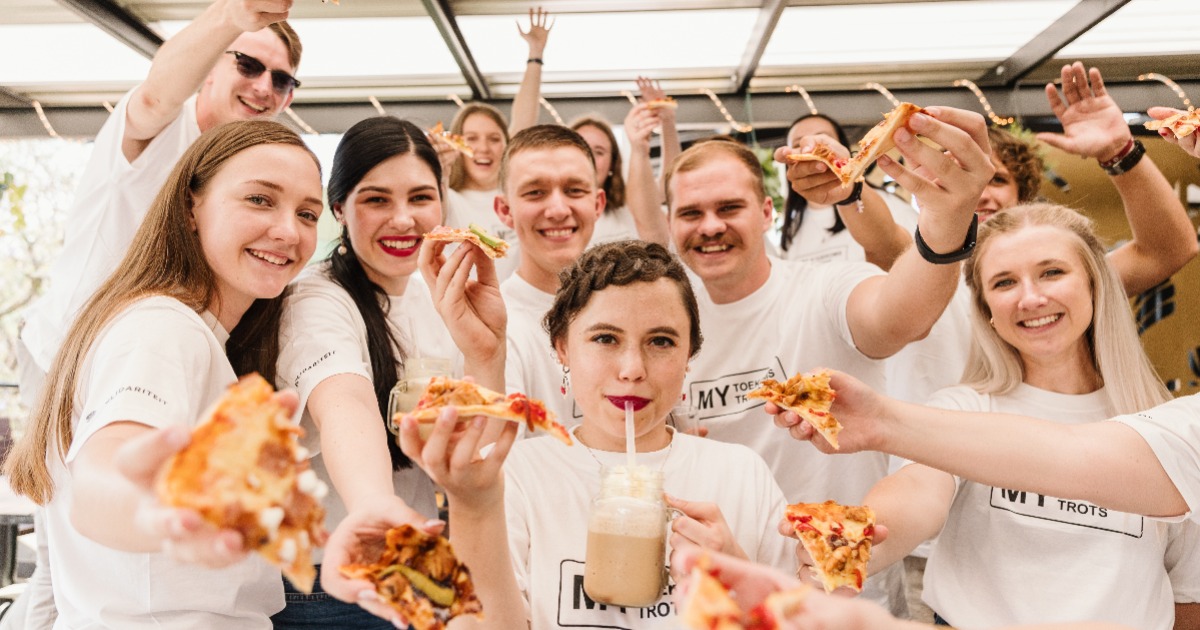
[(912, 503), (528, 99), (641, 190), (671, 148), (1105, 463), (948, 185), (184, 61), (1094, 126)]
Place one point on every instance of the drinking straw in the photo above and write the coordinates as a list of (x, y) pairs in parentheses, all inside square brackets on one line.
[(629, 446)]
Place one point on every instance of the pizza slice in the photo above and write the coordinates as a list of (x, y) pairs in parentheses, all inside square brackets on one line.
[(665, 102), (493, 246), (419, 576), (877, 142), (773, 612), (244, 470), (458, 142), (708, 605), (838, 538), (471, 399), (823, 153), (809, 396), (1182, 124)]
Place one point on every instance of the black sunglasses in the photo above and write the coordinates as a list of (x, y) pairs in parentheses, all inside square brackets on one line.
[(252, 68)]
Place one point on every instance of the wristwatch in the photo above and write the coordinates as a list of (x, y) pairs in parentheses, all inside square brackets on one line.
[(954, 256), (1124, 161)]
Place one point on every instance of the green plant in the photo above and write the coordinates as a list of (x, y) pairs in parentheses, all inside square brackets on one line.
[(772, 176)]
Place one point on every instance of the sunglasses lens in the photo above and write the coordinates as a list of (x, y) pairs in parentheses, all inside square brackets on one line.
[(252, 68), (249, 67), (283, 81)]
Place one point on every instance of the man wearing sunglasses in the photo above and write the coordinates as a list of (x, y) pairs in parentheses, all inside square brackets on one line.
[(235, 61)]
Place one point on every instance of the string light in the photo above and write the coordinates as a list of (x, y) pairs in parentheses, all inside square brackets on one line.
[(550, 108), (804, 93), (108, 106), (885, 92), (987, 107), (629, 95), (737, 126), (457, 101), (299, 122), (378, 107), (37, 106), (1171, 84)]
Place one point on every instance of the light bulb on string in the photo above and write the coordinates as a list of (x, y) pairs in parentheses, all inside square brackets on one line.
[(804, 93), (299, 122), (378, 107), (37, 107), (629, 95), (987, 107), (885, 92), (550, 108), (1187, 102), (737, 126), (457, 101)]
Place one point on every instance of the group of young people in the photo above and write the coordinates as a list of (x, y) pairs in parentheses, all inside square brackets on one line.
[(188, 266)]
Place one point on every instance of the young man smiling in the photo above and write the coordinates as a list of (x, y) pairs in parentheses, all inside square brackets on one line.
[(767, 318), (548, 196)]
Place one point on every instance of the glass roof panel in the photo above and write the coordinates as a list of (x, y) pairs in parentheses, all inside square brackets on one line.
[(1142, 27), (50, 53), (908, 32), (642, 41)]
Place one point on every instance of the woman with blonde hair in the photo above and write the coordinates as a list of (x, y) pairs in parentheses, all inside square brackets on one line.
[(1053, 338), (195, 303)]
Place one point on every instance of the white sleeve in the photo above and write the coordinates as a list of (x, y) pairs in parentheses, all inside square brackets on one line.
[(1172, 430), (142, 368), (320, 336), (516, 509), (840, 280)]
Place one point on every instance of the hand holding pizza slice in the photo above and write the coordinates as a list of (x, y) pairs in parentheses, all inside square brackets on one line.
[(709, 605), (493, 246), (470, 399), (838, 539), (808, 396), (458, 142), (1182, 124), (244, 470), (418, 575)]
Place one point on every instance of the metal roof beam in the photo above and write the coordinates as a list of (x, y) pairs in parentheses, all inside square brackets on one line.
[(447, 25), (1066, 29), (760, 36), (119, 23)]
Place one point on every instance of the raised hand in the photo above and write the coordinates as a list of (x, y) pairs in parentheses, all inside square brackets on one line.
[(539, 31), (254, 15), (1093, 124), (639, 126), (452, 459), (860, 409), (472, 309)]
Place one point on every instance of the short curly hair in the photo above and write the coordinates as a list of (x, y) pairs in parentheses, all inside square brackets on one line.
[(619, 264), (1021, 159)]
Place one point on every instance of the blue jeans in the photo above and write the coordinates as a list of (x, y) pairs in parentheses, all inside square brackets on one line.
[(322, 610)]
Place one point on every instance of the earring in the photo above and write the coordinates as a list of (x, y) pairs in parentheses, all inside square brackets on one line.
[(566, 382), (992, 321), (341, 248)]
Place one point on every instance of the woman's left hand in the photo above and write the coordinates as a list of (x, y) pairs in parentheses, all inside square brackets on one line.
[(472, 308), (639, 126), (703, 525)]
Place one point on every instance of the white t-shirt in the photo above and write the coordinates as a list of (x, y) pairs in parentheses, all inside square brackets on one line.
[(323, 335), (464, 207), (936, 362), (1173, 431), (548, 490), (160, 364), (792, 324), (1006, 557), (615, 224), (532, 366), (113, 197), (814, 243)]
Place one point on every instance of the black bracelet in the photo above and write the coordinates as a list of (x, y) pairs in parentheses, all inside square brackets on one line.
[(952, 257), (537, 60), (855, 195), (1127, 161)]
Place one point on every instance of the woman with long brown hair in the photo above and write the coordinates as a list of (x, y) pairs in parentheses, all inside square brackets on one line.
[(195, 302)]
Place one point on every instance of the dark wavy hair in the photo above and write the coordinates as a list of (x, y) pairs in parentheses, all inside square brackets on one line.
[(365, 145), (795, 205), (1022, 161), (618, 264)]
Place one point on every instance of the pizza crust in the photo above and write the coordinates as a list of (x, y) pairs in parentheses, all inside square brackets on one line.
[(458, 142), (456, 235), (808, 396), (471, 400), (873, 145), (1182, 124)]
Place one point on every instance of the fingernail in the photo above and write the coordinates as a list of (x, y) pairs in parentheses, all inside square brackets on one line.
[(398, 623), (434, 522), (919, 121), (884, 160), (902, 135), (369, 596)]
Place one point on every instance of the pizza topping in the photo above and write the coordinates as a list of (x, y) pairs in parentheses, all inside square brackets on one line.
[(471, 399), (838, 538), (419, 576), (493, 246), (240, 472), (488, 239), (808, 396)]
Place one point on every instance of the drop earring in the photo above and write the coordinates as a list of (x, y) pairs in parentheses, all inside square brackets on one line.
[(341, 248), (566, 382)]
